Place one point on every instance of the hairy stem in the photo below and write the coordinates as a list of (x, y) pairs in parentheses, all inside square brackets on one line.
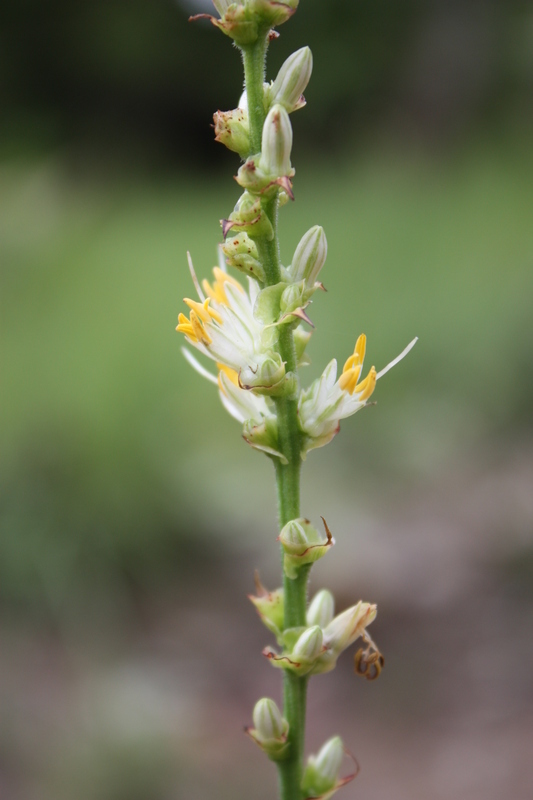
[(289, 440)]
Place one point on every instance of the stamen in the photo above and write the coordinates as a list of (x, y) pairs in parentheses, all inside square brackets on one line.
[(199, 330), (203, 310), (367, 386), (358, 356), (216, 291), (348, 379), (184, 326), (194, 277)]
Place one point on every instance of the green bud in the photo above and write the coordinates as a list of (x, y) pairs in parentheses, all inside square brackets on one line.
[(321, 774), (263, 436), (271, 729), (291, 81), (272, 12), (295, 296), (309, 256), (248, 216), (276, 143), (293, 536), (235, 21), (321, 609), (309, 645), (232, 130), (301, 340), (302, 544), (268, 722), (241, 252)]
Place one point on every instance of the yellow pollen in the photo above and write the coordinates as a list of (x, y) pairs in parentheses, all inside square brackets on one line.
[(367, 386), (216, 291)]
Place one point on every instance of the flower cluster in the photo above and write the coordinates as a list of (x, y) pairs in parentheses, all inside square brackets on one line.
[(255, 333)]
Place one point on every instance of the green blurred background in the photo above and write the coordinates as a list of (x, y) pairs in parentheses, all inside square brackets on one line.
[(133, 514)]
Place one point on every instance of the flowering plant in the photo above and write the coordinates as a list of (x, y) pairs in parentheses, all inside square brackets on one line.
[(257, 334)]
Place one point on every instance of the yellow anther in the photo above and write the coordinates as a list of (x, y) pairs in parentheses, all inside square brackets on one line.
[(205, 313), (348, 379), (199, 330), (356, 360), (367, 385), (216, 291), (229, 373), (184, 326)]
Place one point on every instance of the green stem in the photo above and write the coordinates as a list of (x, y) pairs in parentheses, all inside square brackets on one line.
[(253, 56), (289, 443)]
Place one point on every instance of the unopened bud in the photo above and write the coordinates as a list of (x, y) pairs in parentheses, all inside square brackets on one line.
[(241, 252), (232, 130), (321, 609), (294, 296), (309, 645), (322, 772), (276, 143), (271, 729), (292, 79), (268, 722), (273, 12), (293, 537), (309, 256), (302, 544)]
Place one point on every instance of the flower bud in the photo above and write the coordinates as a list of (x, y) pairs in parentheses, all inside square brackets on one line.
[(302, 544), (309, 256), (321, 609), (268, 722), (241, 253), (271, 729), (263, 436), (293, 537), (301, 340), (232, 130), (276, 143), (235, 21), (265, 376), (272, 12), (248, 216), (321, 774), (309, 645), (292, 79), (294, 297)]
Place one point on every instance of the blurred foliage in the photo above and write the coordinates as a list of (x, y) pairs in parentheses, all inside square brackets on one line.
[(135, 78)]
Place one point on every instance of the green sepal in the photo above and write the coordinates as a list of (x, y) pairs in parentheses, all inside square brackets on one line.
[(267, 304)]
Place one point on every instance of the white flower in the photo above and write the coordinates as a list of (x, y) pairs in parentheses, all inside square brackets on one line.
[(328, 400), (222, 326)]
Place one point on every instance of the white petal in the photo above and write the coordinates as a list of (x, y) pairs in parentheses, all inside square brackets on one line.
[(195, 364)]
